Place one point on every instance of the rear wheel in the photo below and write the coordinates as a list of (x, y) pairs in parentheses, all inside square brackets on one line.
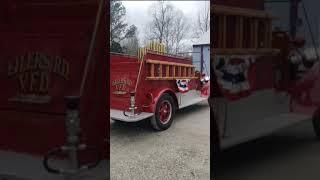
[(163, 116), (117, 121)]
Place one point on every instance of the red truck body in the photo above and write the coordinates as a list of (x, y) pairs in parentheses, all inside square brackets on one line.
[(44, 48), (129, 74), (262, 78)]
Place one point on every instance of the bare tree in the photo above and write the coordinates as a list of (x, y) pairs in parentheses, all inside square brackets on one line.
[(203, 21), (179, 30), (131, 44), (168, 26), (161, 13), (118, 26)]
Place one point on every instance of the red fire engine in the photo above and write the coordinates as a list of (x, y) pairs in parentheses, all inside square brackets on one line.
[(262, 79), (154, 85), (53, 74)]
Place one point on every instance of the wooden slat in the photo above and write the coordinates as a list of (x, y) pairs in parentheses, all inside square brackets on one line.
[(152, 70), (270, 33), (179, 71), (168, 63), (160, 70), (251, 21), (243, 51), (255, 33), (220, 31), (237, 32), (224, 32), (227, 10), (167, 71), (169, 78), (241, 19), (174, 71), (266, 34)]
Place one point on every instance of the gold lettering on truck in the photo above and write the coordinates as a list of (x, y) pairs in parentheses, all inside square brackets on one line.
[(121, 85), (33, 71)]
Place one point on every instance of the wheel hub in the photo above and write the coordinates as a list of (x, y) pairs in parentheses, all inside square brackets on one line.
[(165, 111)]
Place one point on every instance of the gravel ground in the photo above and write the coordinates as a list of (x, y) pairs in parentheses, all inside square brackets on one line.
[(290, 154), (181, 152)]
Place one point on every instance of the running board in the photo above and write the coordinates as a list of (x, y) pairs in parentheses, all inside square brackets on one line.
[(192, 102), (262, 128)]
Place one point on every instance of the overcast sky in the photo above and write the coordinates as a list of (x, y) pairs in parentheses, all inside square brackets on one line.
[(137, 11)]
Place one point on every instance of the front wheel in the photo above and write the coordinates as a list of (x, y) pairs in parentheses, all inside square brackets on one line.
[(163, 116)]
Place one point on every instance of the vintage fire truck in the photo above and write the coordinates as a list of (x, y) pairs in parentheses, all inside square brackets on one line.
[(154, 84), (54, 95), (262, 80)]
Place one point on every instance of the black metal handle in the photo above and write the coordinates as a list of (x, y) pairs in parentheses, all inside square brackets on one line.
[(98, 158), (58, 150), (51, 153)]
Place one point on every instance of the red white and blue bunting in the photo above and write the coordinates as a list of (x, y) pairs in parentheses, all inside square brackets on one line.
[(232, 74), (183, 85)]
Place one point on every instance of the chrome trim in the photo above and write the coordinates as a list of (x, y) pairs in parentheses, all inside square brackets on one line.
[(118, 115)]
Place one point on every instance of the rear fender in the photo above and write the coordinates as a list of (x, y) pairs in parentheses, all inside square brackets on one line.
[(160, 93)]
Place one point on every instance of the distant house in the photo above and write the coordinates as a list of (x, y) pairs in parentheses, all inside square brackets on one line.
[(201, 53)]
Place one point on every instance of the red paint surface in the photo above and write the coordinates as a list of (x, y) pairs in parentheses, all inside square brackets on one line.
[(128, 66), (305, 92), (62, 28)]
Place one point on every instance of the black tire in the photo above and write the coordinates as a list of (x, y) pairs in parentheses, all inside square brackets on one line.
[(117, 121), (157, 121), (316, 125)]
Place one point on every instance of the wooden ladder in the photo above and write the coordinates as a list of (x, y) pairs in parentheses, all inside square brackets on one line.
[(164, 70)]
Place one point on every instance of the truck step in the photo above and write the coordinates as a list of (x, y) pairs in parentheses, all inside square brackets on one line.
[(261, 128)]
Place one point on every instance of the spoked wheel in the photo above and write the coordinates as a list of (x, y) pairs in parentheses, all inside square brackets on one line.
[(316, 124), (163, 116)]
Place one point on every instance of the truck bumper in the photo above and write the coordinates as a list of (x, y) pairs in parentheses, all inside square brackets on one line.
[(118, 115)]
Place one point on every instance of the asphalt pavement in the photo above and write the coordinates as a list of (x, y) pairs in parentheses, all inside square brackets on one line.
[(180, 153), (290, 154)]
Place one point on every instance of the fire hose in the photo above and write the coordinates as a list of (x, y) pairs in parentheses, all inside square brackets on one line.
[(64, 149), (133, 108), (73, 145)]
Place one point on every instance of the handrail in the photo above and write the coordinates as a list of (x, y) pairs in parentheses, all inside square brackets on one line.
[(178, 70), (245, 51), (150, 61), (227, 10), (91, 47), (139, 74), (170, 78)]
